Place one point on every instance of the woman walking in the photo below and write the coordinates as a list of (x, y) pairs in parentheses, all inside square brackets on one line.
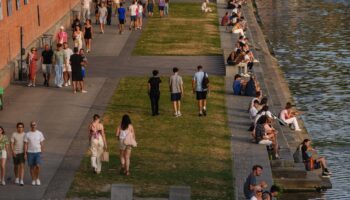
[(98, 143), (88, 35), (122, 133), (78, 37), (4, 149), (32, 58), (102, 11)]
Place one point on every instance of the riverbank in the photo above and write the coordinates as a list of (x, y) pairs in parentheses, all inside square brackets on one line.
[(286, 173)]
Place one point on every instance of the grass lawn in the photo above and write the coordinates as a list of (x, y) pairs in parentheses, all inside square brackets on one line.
[(188, 150), (187, 31)]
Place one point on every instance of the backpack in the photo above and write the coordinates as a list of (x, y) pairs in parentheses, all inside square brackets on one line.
[(205, 81), (298, 158)]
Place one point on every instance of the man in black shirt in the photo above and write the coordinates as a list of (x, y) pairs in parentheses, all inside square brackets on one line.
[(153, 92), (46, 64), (76, 61)]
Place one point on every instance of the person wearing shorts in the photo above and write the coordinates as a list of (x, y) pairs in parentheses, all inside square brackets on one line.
[(133, 12), (150, 6), (161, 5), (33, 147), (201, 93), (121, 17), (67, 69), (17, 147), (176, 91), (4, 149), (46, 64), (102, 16)]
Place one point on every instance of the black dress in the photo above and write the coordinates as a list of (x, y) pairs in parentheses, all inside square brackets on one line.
[(87, 34), (76, 61)]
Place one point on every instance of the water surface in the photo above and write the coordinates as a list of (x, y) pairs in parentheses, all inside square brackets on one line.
[(311, 40)]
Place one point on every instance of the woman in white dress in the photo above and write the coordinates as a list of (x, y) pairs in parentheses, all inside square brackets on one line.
[(78, 38)]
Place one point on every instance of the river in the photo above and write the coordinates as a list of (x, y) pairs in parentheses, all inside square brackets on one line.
[(311, 40)]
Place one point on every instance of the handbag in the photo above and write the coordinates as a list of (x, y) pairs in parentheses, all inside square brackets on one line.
[(105, 156), (130, 140)]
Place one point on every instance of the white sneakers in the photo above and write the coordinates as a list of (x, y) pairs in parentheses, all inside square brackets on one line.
[(177, 114), (3, 182), (17, 181), (36, 182)]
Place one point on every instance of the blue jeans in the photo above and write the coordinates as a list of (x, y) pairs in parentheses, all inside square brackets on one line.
[(59, 75), (34, 159)]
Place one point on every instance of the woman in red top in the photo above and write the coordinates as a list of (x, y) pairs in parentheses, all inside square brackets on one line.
[(32, 58)]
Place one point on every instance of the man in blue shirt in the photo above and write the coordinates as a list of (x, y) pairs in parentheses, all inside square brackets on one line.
[(200, 86), (121, 17), (251, 185)]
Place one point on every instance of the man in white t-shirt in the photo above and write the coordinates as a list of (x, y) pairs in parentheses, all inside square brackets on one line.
[(85, 9), (67, 67), (17, 147), (133, 12), (33, 147)]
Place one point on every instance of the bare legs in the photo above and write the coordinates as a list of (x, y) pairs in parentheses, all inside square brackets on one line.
[(88, 45), (34, 172), (19, 171), (177, 108), (125, 160), (3, 168)]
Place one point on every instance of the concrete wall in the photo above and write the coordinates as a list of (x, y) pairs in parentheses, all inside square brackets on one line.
[(50, 11)]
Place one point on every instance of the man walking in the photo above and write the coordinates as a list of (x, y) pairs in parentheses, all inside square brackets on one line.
[(46, 64), (121, 16), (200, 86), (153, 92), (59, 60), (17, 147), (33, 147), (76, 61), (176, 91), (85, 11), (67, 67)]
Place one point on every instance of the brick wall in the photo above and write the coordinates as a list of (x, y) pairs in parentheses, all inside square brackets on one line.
[(51, 11)]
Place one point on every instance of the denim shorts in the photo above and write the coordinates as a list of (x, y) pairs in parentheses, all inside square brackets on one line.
[(34, 159)]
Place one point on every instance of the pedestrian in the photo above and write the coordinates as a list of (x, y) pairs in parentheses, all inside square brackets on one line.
[(78, 37), (97, 15), (67, 70), (58, 60), (76, 61), (161, 5), (150, 6), (251, 185), (122, 133), (109, 12), (176, 91), (290, 117), (85, 11), (4, 149), (98, 143), (61, 36), (88, 35), (102, 11), (166, 8), (76, 22), (46, 64), (17, 147), (133, 13), (154, 92), (200, 86), (139, 15), (121, 17), (33, 148), (83, 70), (32, 58)]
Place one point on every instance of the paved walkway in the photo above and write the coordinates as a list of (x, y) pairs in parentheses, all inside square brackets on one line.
[(63, 117)]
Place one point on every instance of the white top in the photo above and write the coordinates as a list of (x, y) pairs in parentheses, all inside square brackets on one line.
[(140, 10), (253, 198), (123, 134), (103, 12), (18, 140), (34, 139), (253, 111), (86, 4), (283, 114), (133, 9), (204, 6), (68, 52)]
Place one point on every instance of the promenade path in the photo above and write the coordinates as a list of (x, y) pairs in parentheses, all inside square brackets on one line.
[(63, 117)]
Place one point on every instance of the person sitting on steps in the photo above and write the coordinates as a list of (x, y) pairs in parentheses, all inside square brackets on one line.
[(289, 117)]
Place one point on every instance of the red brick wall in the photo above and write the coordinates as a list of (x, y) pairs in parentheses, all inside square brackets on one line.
[(50, 12)]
